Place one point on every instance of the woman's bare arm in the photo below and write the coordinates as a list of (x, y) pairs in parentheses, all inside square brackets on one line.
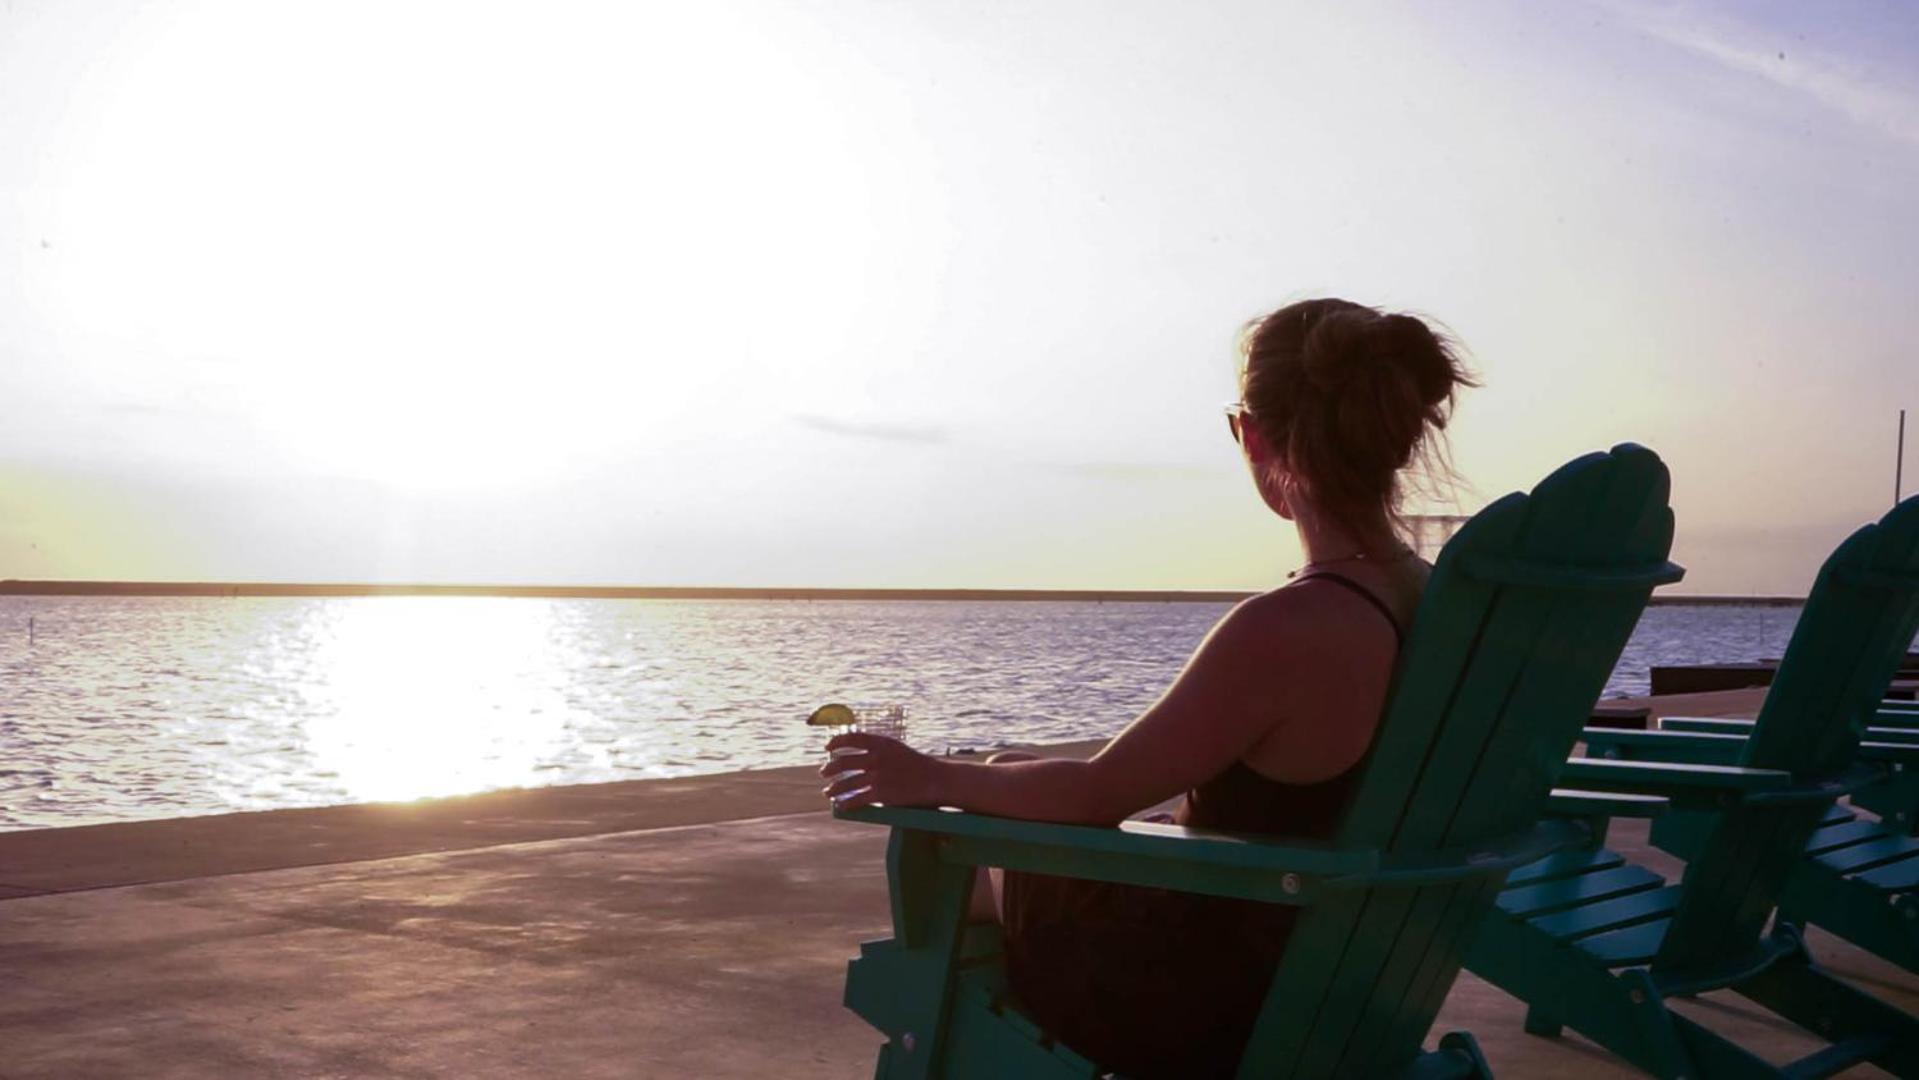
[(1226, 699)]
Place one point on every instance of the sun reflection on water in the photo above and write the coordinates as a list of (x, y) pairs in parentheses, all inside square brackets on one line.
[(423, 696)]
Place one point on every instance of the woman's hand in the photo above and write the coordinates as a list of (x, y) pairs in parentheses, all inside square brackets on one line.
[(884, 771)]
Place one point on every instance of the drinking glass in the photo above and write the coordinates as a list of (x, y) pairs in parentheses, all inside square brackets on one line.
[(873, 718)]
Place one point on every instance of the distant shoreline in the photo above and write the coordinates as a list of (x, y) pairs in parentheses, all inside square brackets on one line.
[(12, 587)]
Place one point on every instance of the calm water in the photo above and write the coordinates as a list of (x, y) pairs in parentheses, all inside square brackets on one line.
[(126, 708)]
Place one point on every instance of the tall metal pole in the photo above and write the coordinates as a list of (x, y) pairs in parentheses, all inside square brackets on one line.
[(1899, 464)]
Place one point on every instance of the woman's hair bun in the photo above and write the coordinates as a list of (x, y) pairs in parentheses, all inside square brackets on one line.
[(1358, 345), (1411, 346), (1335, 348)]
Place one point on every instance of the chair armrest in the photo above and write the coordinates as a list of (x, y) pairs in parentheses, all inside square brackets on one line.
[(1204, 861), (1473, 860), (1710, 786), (1135, 853), (1145, 838), (1669, 778), (1685, 747), (1710, 725), (1857, 777), (1571, 802)]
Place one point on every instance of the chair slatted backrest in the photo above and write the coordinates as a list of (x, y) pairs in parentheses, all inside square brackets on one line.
[(1527, 611), (1852, 634)]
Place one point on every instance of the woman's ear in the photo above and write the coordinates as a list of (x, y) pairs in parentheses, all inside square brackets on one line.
[(1285, 489), (1275, 482), (1257, 451)]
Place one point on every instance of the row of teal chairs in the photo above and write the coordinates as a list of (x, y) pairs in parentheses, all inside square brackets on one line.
[(1476, 840)]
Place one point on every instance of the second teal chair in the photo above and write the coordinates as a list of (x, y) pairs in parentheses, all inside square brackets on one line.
[(1594, 942)]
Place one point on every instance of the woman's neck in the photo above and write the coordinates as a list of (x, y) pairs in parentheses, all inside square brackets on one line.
[(1326, 540)]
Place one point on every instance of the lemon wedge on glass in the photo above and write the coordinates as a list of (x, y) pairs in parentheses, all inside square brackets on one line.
[(833, 715)]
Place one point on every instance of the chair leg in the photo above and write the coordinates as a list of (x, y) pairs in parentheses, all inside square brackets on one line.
[(1801, 991), (1564, 988), (1665, 1049), (930, 899), (1855, 911), (1461, 1045), (1905, 914), (1458, 1058)]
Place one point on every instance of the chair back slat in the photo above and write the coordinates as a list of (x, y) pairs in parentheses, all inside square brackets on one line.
[(1859, 619), (1495, 680), (1851, 636)]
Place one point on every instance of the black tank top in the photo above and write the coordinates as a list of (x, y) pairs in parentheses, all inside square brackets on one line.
[(1242, 800)]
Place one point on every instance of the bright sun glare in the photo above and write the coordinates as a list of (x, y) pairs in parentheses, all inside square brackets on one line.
[(443, 275), (428, 696)]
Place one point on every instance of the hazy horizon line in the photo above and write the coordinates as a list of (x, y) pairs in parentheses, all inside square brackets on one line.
[(29, 587)]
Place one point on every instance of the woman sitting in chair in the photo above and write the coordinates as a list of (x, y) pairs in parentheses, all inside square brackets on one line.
[(1264, 730)]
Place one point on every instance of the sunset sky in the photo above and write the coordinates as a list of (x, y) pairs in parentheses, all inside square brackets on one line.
[(867, 293)]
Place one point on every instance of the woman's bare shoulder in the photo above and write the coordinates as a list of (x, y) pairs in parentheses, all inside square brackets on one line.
[(1273, 611), (1309, 615), (1294, 603)]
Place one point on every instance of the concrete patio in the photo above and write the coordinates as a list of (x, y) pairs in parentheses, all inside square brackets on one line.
[(695, 927)]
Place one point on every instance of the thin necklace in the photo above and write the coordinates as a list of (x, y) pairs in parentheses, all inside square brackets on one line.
[(1361, 556)]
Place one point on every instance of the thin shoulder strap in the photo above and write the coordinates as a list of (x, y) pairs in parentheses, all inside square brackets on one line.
[(1361, 591)]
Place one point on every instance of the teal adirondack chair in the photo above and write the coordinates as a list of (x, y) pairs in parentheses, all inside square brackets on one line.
[(1893, 723), (1858, 878), (1596, 943), (1525, 615)]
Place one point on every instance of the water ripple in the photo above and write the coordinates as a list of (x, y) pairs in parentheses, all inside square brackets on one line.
[(141, 707)]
